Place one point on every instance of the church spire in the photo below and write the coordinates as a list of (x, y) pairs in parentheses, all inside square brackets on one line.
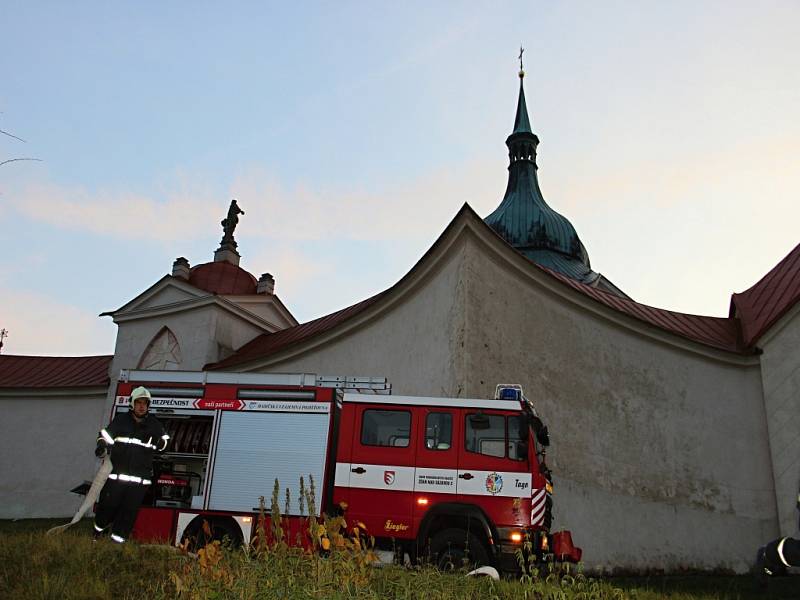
[(527, 222), (521, 123), (522, 142), (523, 218)]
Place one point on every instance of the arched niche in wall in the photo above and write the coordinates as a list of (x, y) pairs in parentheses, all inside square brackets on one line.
[(163, 353)]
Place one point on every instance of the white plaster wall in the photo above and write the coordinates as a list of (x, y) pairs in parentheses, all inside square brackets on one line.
[(205, 334), (191, 328), (660, 454), (413, 344), (231, 333), (47, 448), (781, 380)]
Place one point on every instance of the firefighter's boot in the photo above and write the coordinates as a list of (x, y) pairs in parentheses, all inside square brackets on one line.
[(761, 571)]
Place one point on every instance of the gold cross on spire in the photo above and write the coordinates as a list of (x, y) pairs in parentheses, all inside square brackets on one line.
[(521, 70)]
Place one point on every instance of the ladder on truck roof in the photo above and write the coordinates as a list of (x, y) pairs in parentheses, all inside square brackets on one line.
[(377, 385)]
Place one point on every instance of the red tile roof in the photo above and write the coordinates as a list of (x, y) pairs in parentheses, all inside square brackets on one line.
[(717, 332), (53, 371), (222, 278), (269, 343), (760, 307)]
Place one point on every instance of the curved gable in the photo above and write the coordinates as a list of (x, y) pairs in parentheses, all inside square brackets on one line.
[(718, 333)]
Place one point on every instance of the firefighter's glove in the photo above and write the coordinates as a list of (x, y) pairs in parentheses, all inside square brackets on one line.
[(101, 449)]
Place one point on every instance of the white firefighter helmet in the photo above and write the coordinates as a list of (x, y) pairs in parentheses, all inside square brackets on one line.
[(140, 392)]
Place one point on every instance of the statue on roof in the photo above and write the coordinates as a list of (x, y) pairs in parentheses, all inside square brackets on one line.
[(229, 223)]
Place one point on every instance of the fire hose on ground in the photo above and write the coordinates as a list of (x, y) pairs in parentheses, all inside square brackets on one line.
[(91, 496)]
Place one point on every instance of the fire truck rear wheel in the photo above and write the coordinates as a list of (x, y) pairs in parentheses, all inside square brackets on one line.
[(454, 548), (221, 529)]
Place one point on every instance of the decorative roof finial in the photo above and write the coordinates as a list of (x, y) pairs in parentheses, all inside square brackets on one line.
[(227, 247), (521, 70), (230, 222)]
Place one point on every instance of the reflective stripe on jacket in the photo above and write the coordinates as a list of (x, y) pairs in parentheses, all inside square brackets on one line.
[(132, 444)]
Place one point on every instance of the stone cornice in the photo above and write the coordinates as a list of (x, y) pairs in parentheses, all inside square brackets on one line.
[(263, 299), (161, 284), (184, 305)]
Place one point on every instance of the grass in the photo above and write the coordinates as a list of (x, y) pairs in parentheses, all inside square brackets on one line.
[(70, 566)]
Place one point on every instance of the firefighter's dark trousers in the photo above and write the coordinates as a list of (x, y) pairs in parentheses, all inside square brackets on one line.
[(118, 505), (783, 552)]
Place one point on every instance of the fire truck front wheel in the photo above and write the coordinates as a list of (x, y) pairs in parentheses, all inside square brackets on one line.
[(455, 548)]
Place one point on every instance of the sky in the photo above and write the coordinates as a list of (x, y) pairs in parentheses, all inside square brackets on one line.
[(351, 133)]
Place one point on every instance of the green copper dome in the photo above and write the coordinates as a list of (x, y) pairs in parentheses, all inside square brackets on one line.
[(525, 220)]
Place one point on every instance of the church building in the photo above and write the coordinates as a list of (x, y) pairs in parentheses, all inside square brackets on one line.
[(675, 437)]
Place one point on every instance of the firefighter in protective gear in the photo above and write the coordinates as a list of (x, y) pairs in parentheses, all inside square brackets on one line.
[(130, 439)]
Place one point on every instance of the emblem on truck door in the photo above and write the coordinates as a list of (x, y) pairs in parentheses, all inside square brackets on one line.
[(494, 483), (388, 477)]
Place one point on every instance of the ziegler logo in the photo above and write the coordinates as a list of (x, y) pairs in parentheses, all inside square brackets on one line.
[(390, 526), (388, 478), (494, 483)]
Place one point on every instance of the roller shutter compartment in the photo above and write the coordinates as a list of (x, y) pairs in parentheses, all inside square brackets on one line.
[(254, 449)]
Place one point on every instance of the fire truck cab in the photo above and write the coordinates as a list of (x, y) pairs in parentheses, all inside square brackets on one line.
[(434, 478), (441, 475)]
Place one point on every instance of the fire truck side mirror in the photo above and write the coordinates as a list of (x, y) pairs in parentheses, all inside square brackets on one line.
[(522, 451), (523, 428), (539, 428)]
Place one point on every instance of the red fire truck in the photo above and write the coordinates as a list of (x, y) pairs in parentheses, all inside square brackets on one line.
[(427, 476)]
